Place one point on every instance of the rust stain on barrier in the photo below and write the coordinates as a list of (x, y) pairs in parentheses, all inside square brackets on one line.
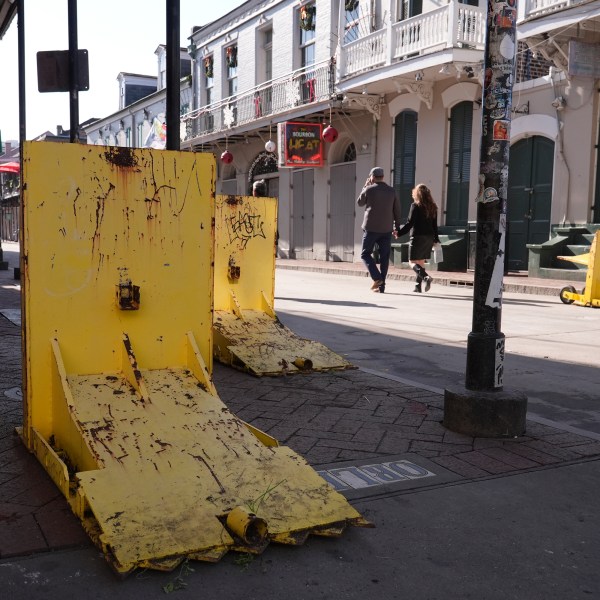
[(121, 157)]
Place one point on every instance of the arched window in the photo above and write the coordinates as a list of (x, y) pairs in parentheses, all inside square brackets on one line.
[(264, 164), (350, 153)]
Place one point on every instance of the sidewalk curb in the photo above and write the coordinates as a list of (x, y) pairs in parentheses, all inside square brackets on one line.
[(445, 278)]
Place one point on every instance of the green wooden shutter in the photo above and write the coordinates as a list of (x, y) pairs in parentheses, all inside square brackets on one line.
[(459, 164), (405, 155), (596, 207)]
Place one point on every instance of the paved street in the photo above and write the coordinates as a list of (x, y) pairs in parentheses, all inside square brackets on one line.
[(455, 517), (552, 349)]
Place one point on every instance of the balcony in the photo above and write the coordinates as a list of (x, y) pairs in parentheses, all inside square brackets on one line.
[(276, 98), (550, 26), (538, 8), (10, 188), (452, 26)]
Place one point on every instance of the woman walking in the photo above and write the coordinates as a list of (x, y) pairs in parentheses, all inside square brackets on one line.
[(422, 224)]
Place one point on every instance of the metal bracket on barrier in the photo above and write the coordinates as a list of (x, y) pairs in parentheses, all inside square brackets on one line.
[(128, 295), (234, 270)]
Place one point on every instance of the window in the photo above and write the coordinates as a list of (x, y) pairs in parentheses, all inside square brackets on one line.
[(409, 8), (268, 53), (208, 79), (185, 67), (231, 63), (351, 28), (350, 153), (264, 98), (206, 121), (128, 137), (307, 16)]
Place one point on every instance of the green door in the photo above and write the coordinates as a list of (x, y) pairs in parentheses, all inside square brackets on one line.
[(596, 205), (529, 197), (405, 155), (302, 214), (459, 163)]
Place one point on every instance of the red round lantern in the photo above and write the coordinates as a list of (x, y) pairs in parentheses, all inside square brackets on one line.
[(330, 134), (227, 157)]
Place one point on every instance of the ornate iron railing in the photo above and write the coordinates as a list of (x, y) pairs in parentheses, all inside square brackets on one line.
[(301, 87)]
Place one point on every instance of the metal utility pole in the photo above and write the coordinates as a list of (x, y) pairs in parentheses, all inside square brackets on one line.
[(173, 75), (483, 407), (21, 46), (73, 73)]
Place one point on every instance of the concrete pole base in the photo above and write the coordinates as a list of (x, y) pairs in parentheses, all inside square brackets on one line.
[(485, 413)]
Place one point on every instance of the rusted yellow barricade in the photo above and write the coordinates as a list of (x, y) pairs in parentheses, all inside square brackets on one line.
[(120, 406), (590, 295), (247, 333)]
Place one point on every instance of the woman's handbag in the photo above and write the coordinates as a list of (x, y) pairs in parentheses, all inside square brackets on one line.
[(438, 253)]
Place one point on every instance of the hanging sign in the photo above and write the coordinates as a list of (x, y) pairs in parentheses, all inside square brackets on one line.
[(584, 59), (301, 144)]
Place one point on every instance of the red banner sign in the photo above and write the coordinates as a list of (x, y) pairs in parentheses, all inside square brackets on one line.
[(303, 144)]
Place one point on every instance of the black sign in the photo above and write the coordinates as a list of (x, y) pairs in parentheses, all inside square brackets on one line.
[(53, 71)]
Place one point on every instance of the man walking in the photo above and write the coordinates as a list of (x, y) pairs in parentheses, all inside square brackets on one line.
[(382, 209)]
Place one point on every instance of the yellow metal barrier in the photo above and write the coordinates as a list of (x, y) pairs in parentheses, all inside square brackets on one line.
[(590, 295), (120, 406), (247, 333)]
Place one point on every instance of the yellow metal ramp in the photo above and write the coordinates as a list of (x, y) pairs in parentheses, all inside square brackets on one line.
[(120, 406), (247, 333), (262, 345), (182, 461), (590, 295)]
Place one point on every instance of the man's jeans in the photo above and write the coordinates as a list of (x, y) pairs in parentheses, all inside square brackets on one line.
[(384, 241)]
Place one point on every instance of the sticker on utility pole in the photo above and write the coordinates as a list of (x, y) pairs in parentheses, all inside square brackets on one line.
[(494, 293)]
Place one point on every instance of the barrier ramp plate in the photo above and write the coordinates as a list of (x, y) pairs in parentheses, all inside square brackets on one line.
[(175, 464), (247, 333), (120, 407), (262, 345)]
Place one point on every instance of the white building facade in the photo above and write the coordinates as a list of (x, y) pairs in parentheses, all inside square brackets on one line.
[(400, 81)]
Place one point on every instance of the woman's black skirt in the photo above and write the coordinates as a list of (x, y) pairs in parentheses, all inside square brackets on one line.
[(420, 247)]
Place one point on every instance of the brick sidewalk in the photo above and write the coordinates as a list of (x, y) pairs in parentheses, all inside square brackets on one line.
[(354, 415), (326, 417)]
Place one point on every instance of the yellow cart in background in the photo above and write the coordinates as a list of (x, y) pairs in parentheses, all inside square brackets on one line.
[(590, 295)]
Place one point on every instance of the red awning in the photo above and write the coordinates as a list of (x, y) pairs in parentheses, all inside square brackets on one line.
[(10, 167)]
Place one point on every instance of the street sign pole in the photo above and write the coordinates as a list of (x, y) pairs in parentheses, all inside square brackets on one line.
[(73, 73), (173, 74), (483, 407)]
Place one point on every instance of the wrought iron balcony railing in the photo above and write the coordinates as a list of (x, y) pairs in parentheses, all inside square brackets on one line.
[(304, 86)]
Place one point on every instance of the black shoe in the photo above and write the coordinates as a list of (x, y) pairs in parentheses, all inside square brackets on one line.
[(428, 281), (417, 288)]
